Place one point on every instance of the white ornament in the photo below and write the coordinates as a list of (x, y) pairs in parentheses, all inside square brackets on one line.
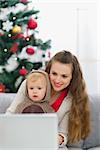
[(12, 63), (19, 7), (18, 81), (1, 69), (7, 25), (3, 14)]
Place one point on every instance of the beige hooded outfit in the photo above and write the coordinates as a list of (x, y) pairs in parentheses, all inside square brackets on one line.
[(29, 106)]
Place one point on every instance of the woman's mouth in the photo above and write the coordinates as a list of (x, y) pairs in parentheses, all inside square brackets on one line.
[(57, 85)]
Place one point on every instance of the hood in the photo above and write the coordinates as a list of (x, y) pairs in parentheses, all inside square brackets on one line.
[(48, 91)]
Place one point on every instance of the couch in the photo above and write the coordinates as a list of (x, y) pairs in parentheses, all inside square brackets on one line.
[(90, 143)]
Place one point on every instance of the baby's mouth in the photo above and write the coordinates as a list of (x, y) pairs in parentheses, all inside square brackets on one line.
[(35, 96)]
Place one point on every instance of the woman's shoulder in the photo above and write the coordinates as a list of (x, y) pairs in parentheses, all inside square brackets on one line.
[(68, 98), (66, 104), (68, 101)]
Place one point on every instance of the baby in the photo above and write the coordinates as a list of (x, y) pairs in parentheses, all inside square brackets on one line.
[(37, 94)]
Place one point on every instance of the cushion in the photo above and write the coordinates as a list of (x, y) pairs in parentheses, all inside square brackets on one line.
[(94, 138), (77, 145), (75, 148), (94, 148), (5, 101)]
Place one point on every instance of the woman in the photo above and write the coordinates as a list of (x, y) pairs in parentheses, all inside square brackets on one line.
[(69, 98)]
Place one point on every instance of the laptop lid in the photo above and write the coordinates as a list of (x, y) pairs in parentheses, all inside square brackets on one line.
[(28, 131)]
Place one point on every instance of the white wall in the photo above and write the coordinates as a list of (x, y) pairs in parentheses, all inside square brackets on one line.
[(73, 25)]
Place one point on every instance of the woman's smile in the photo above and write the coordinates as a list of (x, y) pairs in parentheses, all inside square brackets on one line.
[(57, 85)]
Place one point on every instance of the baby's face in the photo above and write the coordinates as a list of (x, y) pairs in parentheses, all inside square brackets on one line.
[(37, 89)]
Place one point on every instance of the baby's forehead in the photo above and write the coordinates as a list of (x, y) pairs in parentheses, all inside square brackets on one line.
[(36, 76)]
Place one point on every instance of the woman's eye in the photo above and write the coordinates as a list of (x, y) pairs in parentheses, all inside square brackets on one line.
[(64, 76)]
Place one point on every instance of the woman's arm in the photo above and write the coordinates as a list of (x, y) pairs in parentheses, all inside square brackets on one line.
[(63, 130), (63, 117), (20, 96)]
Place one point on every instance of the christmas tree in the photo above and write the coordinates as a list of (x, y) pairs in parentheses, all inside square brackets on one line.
[(21, 50)]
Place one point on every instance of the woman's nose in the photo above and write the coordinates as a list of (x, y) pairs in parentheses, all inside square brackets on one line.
[(58, 79)]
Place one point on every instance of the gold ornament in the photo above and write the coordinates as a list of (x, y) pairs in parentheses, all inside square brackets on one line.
[(16, 29)]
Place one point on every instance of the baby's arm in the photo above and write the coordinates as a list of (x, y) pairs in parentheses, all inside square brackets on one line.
[(20, 96)]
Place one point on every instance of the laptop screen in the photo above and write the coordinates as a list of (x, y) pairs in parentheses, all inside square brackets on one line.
[(28, 131)]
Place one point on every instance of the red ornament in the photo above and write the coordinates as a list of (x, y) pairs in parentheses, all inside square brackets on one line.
[(2, 88), (30, 50), (23, 1), (32, 24), (23, 71), (1, 34), (14, 48), (18, 36)]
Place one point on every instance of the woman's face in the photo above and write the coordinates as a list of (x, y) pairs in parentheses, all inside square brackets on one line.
[(60, 75)]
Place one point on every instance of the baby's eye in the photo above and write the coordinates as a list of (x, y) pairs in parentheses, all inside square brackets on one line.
[(54, 73), (39, 88)]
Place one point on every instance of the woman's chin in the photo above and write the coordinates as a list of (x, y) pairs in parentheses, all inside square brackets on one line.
[(57, 89)]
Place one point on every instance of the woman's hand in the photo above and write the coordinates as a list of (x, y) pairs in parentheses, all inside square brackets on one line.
[(60, 139)]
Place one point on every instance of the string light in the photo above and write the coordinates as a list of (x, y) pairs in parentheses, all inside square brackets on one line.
[(5, 50), (9, 35), (14, 18), (27, 39)]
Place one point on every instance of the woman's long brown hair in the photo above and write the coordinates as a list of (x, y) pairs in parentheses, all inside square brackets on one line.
[(79, 117)]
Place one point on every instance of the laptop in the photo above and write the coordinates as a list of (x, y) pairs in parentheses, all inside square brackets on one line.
[(28, 132)]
